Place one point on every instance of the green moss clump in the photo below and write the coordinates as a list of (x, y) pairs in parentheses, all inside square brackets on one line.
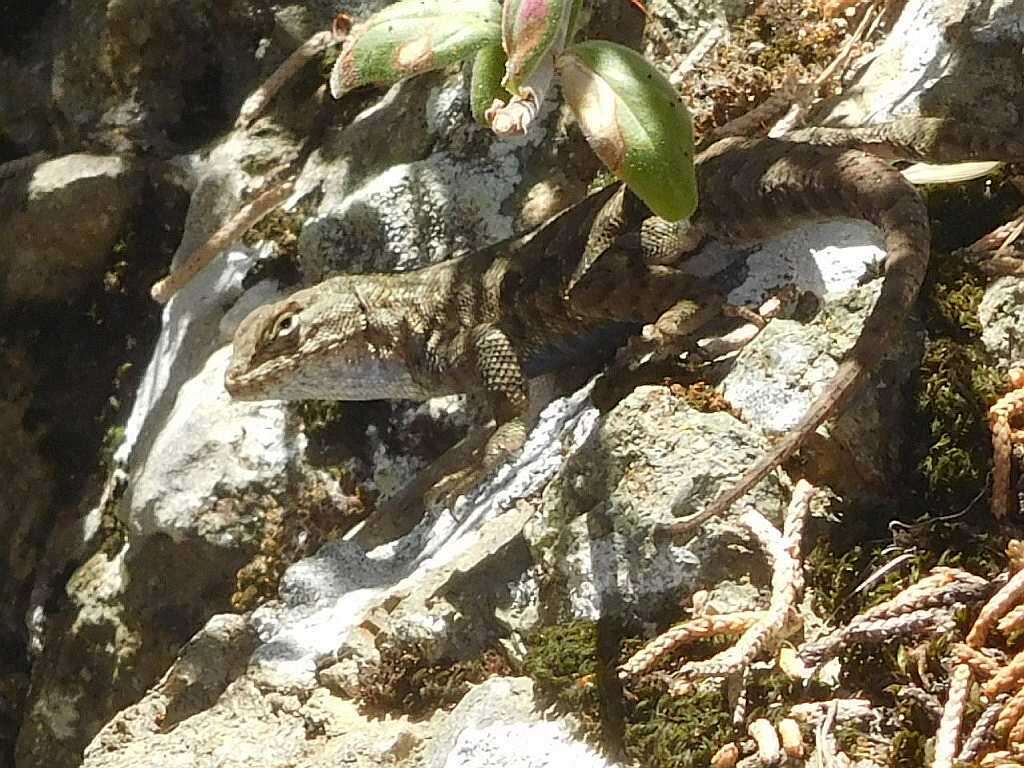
[(841, 560), (957, 383), (665, 731), (661, 731), (832, 573), (957, 380), (559, 658), (603, 178), (327, 60)]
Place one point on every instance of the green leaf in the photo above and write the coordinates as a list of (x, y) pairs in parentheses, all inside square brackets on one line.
[(635, 122), (412, 37), (485, 83)]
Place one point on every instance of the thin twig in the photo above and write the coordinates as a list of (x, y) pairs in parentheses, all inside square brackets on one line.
[(247, 217), (258, 100)]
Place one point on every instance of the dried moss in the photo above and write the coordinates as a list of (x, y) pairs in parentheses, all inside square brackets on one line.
[(406, 683), (702, 396), (793, 30), (748, 67), (291, 528), (282, 228)]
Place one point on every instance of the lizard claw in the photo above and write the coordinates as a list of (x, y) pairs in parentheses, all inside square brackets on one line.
[(446, 492)]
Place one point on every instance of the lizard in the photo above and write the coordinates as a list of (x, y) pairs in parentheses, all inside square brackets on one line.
[(591, 275)]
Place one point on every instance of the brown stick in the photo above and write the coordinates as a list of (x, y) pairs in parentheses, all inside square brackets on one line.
[(259, 99), (247, 217)]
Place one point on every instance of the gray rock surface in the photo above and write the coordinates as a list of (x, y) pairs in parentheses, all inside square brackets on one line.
[(1002, 316), (933, 50), (58, 230), (497, 724)]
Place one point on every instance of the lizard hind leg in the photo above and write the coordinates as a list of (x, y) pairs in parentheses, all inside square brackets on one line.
[(625, 224)]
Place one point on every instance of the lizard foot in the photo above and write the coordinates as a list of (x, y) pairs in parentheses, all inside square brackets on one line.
[(506, 441), (446, 493), (1002, 249), (753, 321), (670, 335)]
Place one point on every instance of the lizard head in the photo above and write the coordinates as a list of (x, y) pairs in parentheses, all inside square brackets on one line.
[(332, 342)]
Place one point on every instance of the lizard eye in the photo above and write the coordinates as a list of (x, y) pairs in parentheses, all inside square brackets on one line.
[(284, 329), (285, 325)]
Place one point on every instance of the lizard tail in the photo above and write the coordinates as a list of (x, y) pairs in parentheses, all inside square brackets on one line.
[(921, 139), (799, 183)]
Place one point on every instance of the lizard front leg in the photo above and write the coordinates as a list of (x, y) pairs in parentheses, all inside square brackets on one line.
[(493, 367), (501, 379)]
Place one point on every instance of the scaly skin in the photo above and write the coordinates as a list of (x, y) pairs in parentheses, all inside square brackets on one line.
[(483, 322), (487, 321)]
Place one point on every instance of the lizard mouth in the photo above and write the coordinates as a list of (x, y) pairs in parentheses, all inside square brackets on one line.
[(237, 388), (340, 379)]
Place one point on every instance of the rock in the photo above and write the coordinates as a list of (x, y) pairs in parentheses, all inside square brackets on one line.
[(1002, 317), (27, 496), (58, 231), (563, 530), (209, 446), (778, 375), (594, 532), (207, 713), (429, 200), (325, 598), (958, 59), (498, 725)]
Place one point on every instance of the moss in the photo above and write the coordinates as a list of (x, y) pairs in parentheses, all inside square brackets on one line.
[(850, 551), (327, 59), (957, 380), (282, 228), (909, 748), (404, 682), (602, 179), (559, 658), (957, 385), (112, 440), (792, 30), (320, 416), (661, 731), (290, 528), (677, 732), (779, 37), (832, 574)]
